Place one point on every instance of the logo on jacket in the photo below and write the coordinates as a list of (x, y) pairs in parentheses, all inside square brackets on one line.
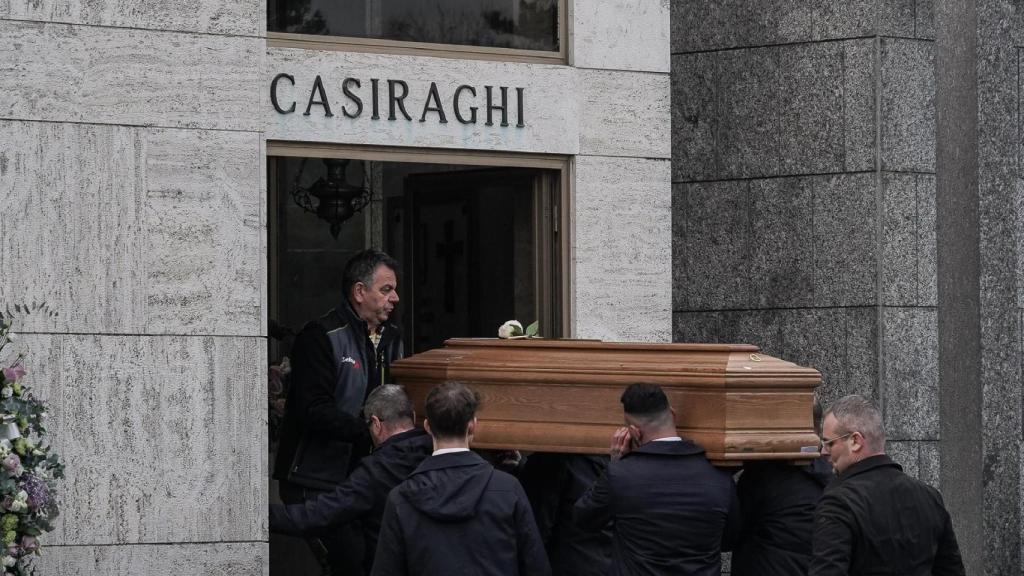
[(352, 361)]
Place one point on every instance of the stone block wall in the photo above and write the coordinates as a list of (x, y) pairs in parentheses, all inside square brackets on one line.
[(804, 194), (846, 194), (133, 206)]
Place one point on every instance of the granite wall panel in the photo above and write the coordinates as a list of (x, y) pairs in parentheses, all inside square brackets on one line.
[(811, 111), (624, 114), (786, 110), (605, 34), (907, 105), (845, 239), (839, 342), (782, 246), (695, 117), (918, 459), (908, 240), (860, 129), (622, 265), (748, 129), (910, 374), (204, 559), (164, 437), (129, 77), (133, 230), (711, 259), (782, 242), (234, 17), (698, 25)]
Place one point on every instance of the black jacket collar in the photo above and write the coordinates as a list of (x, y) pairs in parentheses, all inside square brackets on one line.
[(403, 436), (348, 316), (869, 463), (677, 448)]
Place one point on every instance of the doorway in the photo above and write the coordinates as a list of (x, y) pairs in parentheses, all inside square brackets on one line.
[(477, 243)]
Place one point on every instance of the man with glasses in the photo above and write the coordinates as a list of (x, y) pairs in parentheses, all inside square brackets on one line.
[(874, 516)]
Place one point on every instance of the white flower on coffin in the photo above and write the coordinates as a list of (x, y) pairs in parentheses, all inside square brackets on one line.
[(510, 329), (513, 329)]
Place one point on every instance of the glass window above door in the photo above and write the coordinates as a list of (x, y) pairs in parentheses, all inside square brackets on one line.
[(531, 25)]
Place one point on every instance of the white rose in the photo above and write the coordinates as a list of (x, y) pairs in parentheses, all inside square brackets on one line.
[(510, 329), (7, 392), (9, 561)]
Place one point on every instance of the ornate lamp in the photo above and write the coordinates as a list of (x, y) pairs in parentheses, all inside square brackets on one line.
[(336, 199)]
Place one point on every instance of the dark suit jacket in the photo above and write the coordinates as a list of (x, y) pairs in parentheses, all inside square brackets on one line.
[(553, 483), (672, 511), (362, 495), (876, 520), (777, 501), (456, 515)]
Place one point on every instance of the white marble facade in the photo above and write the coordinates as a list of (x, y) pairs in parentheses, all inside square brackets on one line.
[(132, 152)]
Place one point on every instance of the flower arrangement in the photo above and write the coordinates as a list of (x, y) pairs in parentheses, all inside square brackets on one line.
[(277, 394), (513, 329), (28, 468)]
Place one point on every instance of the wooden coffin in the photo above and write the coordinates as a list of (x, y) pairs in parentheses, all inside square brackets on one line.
[(563, 395)]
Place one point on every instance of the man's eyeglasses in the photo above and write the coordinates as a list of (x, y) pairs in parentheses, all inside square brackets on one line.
[(827, 443)]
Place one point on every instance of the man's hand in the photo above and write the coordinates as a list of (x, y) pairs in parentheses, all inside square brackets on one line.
[(623, 441)]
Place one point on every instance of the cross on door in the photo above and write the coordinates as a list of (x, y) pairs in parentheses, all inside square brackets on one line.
[(450, 250)]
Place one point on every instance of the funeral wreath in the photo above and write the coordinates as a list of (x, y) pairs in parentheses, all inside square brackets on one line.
[(28, 468)]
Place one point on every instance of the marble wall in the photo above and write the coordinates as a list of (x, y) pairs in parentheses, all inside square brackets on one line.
[(133, 205), (814, 216), (133, 142)]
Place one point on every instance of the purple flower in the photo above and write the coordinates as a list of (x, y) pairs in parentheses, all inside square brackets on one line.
[(13, 550), (37, 490), (11, 463), (12, 373), (29, 543)]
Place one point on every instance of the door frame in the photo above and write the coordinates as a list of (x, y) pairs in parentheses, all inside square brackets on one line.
[(558, 236)]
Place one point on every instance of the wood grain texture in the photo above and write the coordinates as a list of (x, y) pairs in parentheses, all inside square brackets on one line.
[(563, 395)]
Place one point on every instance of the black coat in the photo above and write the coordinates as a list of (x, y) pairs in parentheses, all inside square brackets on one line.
[(457, 515), (673, 511), (362, 495), (777, 501), (553, 483), (334, 368), (876, 520)]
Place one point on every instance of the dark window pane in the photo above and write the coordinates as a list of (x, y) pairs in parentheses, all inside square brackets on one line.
[(520, 24)]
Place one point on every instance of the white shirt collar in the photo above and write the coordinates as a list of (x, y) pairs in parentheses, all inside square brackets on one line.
[(449, 451), (668, 439)]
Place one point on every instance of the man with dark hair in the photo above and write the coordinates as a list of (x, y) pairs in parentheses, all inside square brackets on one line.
[(456, 514), (777, 502), (874, 515), (337, 361), (672, 511), (400, 447)]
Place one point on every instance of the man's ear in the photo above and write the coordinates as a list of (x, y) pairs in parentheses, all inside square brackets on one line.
[(358, 292), (858, 442), (374, 421), (471, 428), (426, 426)]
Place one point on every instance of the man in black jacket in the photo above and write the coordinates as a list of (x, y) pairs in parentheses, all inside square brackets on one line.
[(874, 519), (336, 361), (456, 514), (400, 448), (673, 512), (553, 483), (777, 503)]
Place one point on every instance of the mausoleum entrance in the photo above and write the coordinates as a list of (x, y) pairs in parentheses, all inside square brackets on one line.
[(478, 244)]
